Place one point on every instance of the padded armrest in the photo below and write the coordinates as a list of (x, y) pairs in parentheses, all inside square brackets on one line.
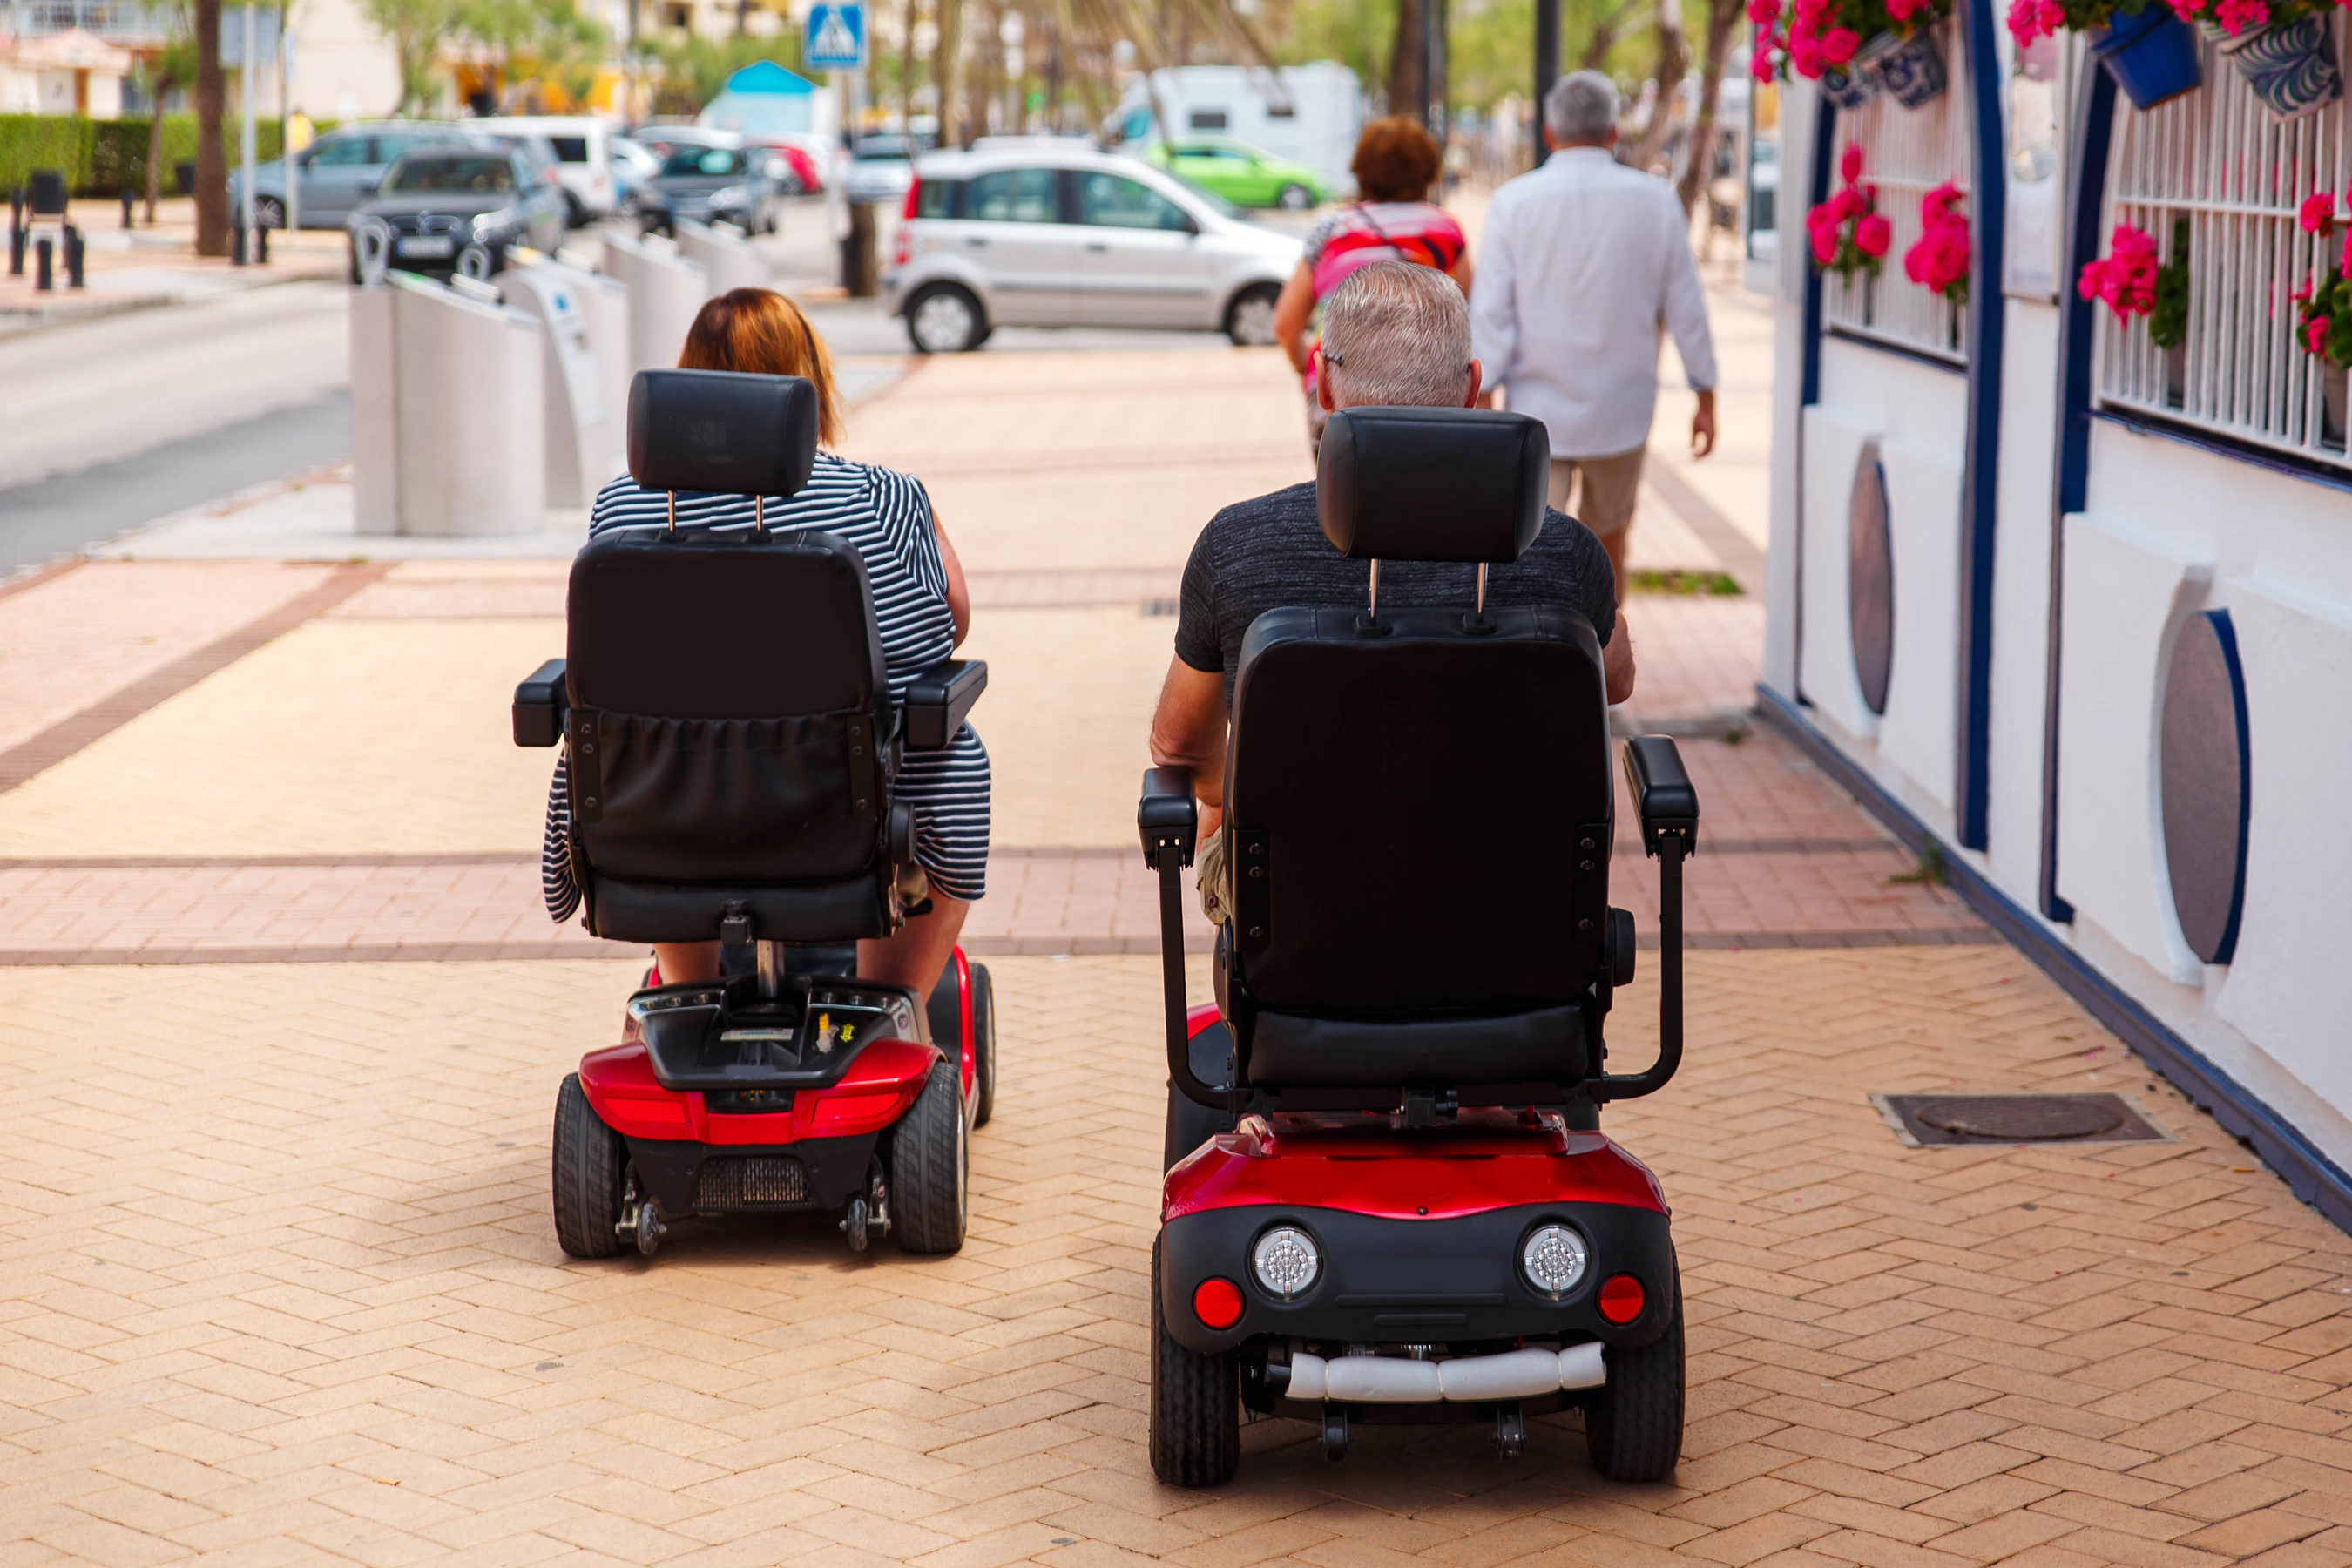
[(540, 706), (1168, 815), (1663, 797), (940, 699)]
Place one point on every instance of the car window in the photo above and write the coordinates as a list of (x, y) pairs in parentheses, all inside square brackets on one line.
[(704, 161), (1016, 195), (571, 149), (1117, 203), (452, 172), (936, 198), (345, 153)]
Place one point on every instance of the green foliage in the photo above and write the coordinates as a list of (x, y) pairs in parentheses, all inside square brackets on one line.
[(31, 142), (695, 69), (101, 157), (1490, 43), (416, 28), (2168, 324)]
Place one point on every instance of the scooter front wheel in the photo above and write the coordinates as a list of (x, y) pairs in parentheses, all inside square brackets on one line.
[(589, 1175), (1634, 1423)]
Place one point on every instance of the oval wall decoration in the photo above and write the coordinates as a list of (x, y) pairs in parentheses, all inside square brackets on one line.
[(1869, 580), (2204, 775)]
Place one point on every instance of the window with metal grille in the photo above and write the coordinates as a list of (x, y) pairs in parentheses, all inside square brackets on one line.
[(1905, 154), (2218, 172)]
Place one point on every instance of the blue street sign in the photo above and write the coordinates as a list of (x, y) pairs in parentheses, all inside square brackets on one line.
[(835, 35)]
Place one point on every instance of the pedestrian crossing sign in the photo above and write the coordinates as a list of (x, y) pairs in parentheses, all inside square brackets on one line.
[(835, 35)]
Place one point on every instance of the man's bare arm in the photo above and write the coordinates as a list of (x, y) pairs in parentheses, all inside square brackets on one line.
[(1617, 660), (1189, 731)]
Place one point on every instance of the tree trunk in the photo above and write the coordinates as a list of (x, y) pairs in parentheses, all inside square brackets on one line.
[(156, 147), (949, 71), (212, 159), (1673, 63), (1722, 21), (907, 69), (1408, 92), (1605, 34)]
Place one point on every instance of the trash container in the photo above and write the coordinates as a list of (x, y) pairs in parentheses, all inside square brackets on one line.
[(448, 413), (606, 301), (48, 193), (183, 177), (665, 291), (578, 451), (729, 259)]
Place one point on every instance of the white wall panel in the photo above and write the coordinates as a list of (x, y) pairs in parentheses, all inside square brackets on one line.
[(1834, 443), (1922, 503)]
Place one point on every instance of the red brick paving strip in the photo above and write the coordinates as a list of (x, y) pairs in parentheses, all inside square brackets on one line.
[(110, 712)]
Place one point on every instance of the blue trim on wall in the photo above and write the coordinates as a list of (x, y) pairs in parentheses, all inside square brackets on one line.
[(1981, 473), (2284, 464), (2306, 1168), (2094, 130), (2226, 634), (1808, 375)]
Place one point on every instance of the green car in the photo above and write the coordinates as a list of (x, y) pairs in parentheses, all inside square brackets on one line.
[(1245, 175)]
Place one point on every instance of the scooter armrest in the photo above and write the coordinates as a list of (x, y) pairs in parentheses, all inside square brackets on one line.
[(541, 706), (1663, 797), (1168, 817), (940, 699)]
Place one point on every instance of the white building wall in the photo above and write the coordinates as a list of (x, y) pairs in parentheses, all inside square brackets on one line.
[(343, 68)]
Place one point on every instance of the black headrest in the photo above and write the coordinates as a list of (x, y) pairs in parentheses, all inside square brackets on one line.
[(1432, 484), (718, 431)]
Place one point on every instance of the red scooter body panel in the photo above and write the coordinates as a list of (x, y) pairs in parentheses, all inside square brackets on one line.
[(879, 1088), (1373, 1165)]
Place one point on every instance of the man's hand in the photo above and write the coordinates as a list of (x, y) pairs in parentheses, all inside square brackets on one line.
[(1703, 424), (1189, 731)]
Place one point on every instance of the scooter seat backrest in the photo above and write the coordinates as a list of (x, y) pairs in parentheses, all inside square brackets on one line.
[(1420, 802)]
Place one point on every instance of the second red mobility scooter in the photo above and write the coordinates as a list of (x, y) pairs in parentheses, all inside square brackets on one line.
[(733, 749), (1389, 1198)]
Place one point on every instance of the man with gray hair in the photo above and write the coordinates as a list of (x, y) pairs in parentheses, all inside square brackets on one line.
[(1583, 259), (1398, 334)]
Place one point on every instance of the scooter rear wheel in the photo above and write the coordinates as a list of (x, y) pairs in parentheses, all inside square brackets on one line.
[(984, 1046), (930, 1165), (1633, 1424), (1196, 1410), (591, 1166)]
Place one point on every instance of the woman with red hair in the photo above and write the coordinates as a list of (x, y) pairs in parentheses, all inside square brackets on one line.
[(920, 605)]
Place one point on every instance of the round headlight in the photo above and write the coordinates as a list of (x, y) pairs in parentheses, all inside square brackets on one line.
[(1286, 1262), (1553, 1259)]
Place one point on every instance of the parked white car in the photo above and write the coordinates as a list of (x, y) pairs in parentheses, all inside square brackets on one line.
[(1047, 234), (584, 157)]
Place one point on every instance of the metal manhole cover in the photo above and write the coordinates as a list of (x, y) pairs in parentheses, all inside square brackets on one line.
[(1933, 1119)]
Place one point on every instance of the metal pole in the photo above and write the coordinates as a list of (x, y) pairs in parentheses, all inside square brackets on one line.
[(245, 132), (293, 202), (1547, 59)]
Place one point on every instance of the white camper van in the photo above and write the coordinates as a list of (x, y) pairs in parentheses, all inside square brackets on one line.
[(1311, 115)]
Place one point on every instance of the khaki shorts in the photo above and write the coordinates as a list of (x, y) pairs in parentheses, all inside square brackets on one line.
[(1216, 883), (1605, 498)]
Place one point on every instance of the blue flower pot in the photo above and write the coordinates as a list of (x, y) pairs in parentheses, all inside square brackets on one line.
[(1912, 69), (2290, 67), (1848, 86), (2152, 56)]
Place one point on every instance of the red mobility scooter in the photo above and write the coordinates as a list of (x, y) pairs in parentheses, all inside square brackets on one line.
[(734, 746), (1389, 1198)]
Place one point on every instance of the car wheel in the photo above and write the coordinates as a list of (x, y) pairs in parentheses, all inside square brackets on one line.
[(269, 212), (945, 319), (575, 214), (1294, 198), (1249, 320)]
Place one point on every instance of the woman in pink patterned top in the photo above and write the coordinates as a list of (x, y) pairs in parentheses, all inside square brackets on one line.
[(1396, 160)]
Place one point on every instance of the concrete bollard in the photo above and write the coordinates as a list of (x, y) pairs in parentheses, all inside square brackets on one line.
[(860, 268), (42, 279), (666, 292), (729, 259)]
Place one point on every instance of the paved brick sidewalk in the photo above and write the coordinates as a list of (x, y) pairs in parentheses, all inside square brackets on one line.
[(281, 1287)]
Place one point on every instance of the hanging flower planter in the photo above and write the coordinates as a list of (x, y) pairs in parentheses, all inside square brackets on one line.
[(2152, 56), (2290, 65), (1849, 86), (1911, 68)]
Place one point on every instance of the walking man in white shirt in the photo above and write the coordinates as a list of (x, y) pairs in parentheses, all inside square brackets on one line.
[(1582, 260)]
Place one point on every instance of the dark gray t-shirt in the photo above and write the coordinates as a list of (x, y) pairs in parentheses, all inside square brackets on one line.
[(1269, 553)]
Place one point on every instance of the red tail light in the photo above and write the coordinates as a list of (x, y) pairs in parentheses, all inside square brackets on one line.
[(1218, 1303), (914, 195), (1622, 1298)]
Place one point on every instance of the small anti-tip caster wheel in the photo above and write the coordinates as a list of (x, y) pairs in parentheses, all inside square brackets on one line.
[(641, 1222), (853, 1223), (1335, 1432), (1511, 1431)]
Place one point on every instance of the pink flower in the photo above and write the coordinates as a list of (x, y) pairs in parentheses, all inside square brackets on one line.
[(1804, 56), (2033, 19), (1838, 44), (1850, 162), (2302, 296), (1872, 235), (1848, 203), (1825, 244), (2314, 334), (1764, 13), (1937, 203), (2317, 214), (2187, 10), (1759, 64), (1904, 10), (2239, 15)]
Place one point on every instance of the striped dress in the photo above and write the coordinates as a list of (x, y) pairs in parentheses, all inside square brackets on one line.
[(887, 518)]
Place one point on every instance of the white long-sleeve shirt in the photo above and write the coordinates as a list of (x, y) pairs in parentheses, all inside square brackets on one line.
[(1581, 259)]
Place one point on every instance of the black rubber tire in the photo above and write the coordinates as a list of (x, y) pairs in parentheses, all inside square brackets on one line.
[(269, 212), (591, 1166), (984, 1046), (575, 212), (930, 1169), (1196, 1405), (976, 329), (1633, 1424), (1294, 198), (1248, 307)]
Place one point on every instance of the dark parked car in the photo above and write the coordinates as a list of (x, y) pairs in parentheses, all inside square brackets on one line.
[(459, 206), (712, 185)]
